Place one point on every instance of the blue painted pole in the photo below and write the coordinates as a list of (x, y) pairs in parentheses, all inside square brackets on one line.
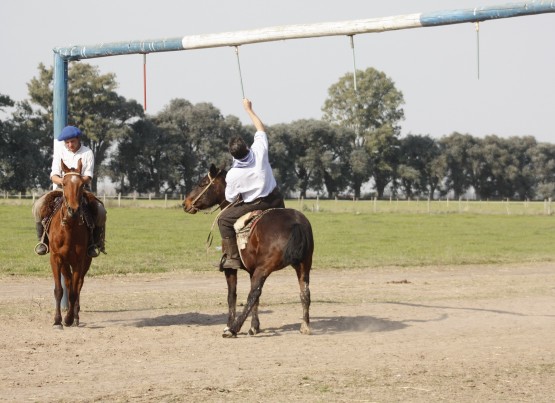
[(59, 107), (60, 94)]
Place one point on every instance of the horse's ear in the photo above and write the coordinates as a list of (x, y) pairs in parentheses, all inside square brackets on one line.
[(79, 166), (213, 170), (64, 167)]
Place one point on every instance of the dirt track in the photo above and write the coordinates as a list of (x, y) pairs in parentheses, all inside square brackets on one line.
[(415, 334)]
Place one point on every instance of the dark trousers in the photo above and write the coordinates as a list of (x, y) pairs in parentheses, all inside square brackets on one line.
[(231, 214)]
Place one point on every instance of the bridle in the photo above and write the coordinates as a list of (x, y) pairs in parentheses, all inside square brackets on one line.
[(212, 180), (66, 204), (219, 206)]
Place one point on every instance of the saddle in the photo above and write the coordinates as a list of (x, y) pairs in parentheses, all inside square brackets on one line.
[(53, 202), (245, 224)]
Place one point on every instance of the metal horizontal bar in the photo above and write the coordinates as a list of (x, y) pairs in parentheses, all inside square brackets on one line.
[(285, 32)]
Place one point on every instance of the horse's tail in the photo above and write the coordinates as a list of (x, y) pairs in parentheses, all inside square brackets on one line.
[(299, 244)]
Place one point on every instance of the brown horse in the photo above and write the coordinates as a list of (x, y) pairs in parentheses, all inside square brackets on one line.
[(280, 238), (69, 239)]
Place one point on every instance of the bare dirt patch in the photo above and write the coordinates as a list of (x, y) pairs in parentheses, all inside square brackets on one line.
[(480, 333)]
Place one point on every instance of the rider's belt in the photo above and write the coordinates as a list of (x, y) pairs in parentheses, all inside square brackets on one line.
[(271, 196)]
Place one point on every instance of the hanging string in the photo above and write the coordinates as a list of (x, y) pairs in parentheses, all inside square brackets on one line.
[(239, 67), (478, 48), (144, 80), (354, 63)]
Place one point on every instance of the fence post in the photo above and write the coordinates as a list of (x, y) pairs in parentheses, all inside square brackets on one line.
[(119, 199), (166, 200)]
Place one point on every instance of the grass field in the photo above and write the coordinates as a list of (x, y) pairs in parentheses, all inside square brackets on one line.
[(348, 234)]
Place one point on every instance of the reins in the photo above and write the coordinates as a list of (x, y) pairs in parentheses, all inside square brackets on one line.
[(212, 180), (210, 236), (204, 191)]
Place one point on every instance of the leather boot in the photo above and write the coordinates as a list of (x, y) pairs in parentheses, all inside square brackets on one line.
[(97, 244), (230, 258), (42, 247)]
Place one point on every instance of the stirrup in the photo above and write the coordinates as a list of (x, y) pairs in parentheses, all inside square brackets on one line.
[(220, 265), (37, 247)]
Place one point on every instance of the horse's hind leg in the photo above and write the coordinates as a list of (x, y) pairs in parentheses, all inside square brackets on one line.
[(303, 275)]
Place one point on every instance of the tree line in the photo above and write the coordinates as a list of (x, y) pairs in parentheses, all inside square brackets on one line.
[(355, 146)]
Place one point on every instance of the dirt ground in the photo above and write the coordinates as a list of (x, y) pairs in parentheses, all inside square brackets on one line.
[(480, 333)]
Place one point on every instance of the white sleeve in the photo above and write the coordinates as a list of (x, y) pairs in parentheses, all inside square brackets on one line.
[(56, 160), (88, 164)]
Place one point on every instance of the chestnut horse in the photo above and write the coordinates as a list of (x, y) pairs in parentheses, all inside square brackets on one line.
[(280, 238), (69, 238)]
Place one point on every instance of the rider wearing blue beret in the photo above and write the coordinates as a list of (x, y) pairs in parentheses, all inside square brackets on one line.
[(71, 151)]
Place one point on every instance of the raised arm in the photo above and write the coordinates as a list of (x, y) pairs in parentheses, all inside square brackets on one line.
[(255, 119)]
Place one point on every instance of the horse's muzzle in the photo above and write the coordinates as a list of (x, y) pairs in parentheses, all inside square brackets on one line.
[(73, 212), (188, 207)]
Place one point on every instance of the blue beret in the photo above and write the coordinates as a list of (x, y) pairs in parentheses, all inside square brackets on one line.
[(69, 132)]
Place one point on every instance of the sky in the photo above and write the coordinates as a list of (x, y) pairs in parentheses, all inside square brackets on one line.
[(436, 69)]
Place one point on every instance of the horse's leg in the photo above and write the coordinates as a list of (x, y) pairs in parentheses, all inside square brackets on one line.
[(71, 284), (58, 291), (303, 275), (231, 279), (257, 282), (78, 279), (255, 322), (77, 308)]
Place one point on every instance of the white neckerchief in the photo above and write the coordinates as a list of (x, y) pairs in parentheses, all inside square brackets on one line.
[(244, 162)]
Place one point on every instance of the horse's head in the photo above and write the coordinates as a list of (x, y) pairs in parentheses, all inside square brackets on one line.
[(73, 185), (208, 192)]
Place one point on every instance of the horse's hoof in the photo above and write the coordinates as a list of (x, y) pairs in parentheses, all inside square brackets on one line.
[(253, 331), (57, 327), (305, 329), (228, 334)]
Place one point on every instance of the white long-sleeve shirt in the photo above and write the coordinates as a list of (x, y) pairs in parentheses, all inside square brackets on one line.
[(251, 177), (71, 159)]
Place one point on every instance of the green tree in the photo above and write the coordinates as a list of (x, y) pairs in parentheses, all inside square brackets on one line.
[(25, 155), (283, 154), (314, 152), (93, 105), (456, 162), (140, 162), (199, 135), (418, 168), (373, 113), (543, 162)]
